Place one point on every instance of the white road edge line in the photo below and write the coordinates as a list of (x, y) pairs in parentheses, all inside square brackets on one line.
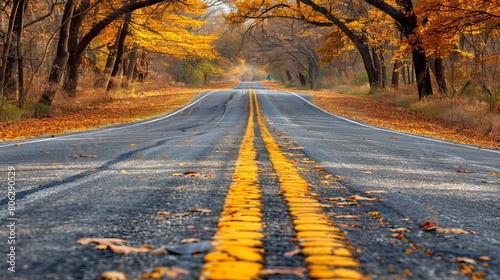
[(395, 132), (111, 129)]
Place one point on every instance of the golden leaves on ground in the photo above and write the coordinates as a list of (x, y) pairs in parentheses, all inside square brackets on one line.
[(113, 275)]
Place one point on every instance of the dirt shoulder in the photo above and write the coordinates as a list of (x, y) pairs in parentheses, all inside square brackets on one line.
[(144, 106), (377, 113)]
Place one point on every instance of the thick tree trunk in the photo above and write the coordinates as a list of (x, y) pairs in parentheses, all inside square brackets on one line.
[(440, 77), (373, 79), (129, 72), (119, 53), (103, 81), (423, 74), (62, 56), (70, 81)]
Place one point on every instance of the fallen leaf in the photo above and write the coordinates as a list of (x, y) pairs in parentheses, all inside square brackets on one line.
[(464, 171), (177, 175), (484, 258), (132, 145), (394, 137), (375, 191), (467, 269), (159, 251), (138, 156), (191, 173), (299, 272), (190, 240), (451, 230), (400, 229), (103, 241), (113, 275), (404, 219), (374, 214), (399, 236), (292, 253), (163, 213), (123, 171), (335, 199), (358, 197), (122, 249), (206, 175), (429, 225), (101, 247), (181, 214), (466, 260), (347, 216), (495, 173), (201, 210), (369, 172)]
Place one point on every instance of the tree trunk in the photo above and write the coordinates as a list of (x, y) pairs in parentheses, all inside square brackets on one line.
[(62, 56), (395, 73), (423, 74), (302, 78), (70, 81), (103, 81), (129, 72), (119, 52), (20, 63), (373, 79), (440, 77), (7, 63)]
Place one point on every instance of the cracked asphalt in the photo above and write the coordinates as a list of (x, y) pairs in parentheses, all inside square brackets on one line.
[(112, 182)]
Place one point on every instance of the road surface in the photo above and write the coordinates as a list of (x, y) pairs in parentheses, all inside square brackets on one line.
[(162, 181)]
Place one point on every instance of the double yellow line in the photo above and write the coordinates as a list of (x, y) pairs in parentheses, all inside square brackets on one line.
[(238, 251)]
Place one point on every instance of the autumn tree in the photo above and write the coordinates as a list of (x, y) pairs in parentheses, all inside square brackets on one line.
[(156, 36)]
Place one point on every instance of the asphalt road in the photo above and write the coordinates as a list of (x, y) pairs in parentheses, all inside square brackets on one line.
[(113, 182)]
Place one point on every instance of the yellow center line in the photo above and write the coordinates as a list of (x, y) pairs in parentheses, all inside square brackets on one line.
[(327, 255), (238, 247)]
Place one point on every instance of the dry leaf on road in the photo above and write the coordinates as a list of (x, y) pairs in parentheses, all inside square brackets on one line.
[(400, 229), (102, 241), (121, 249), (200, 210), (190, 240), (113, 275), (292, 253), (466, 260), (299, 272), (374, 191), (358, 197), (451, 230)]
